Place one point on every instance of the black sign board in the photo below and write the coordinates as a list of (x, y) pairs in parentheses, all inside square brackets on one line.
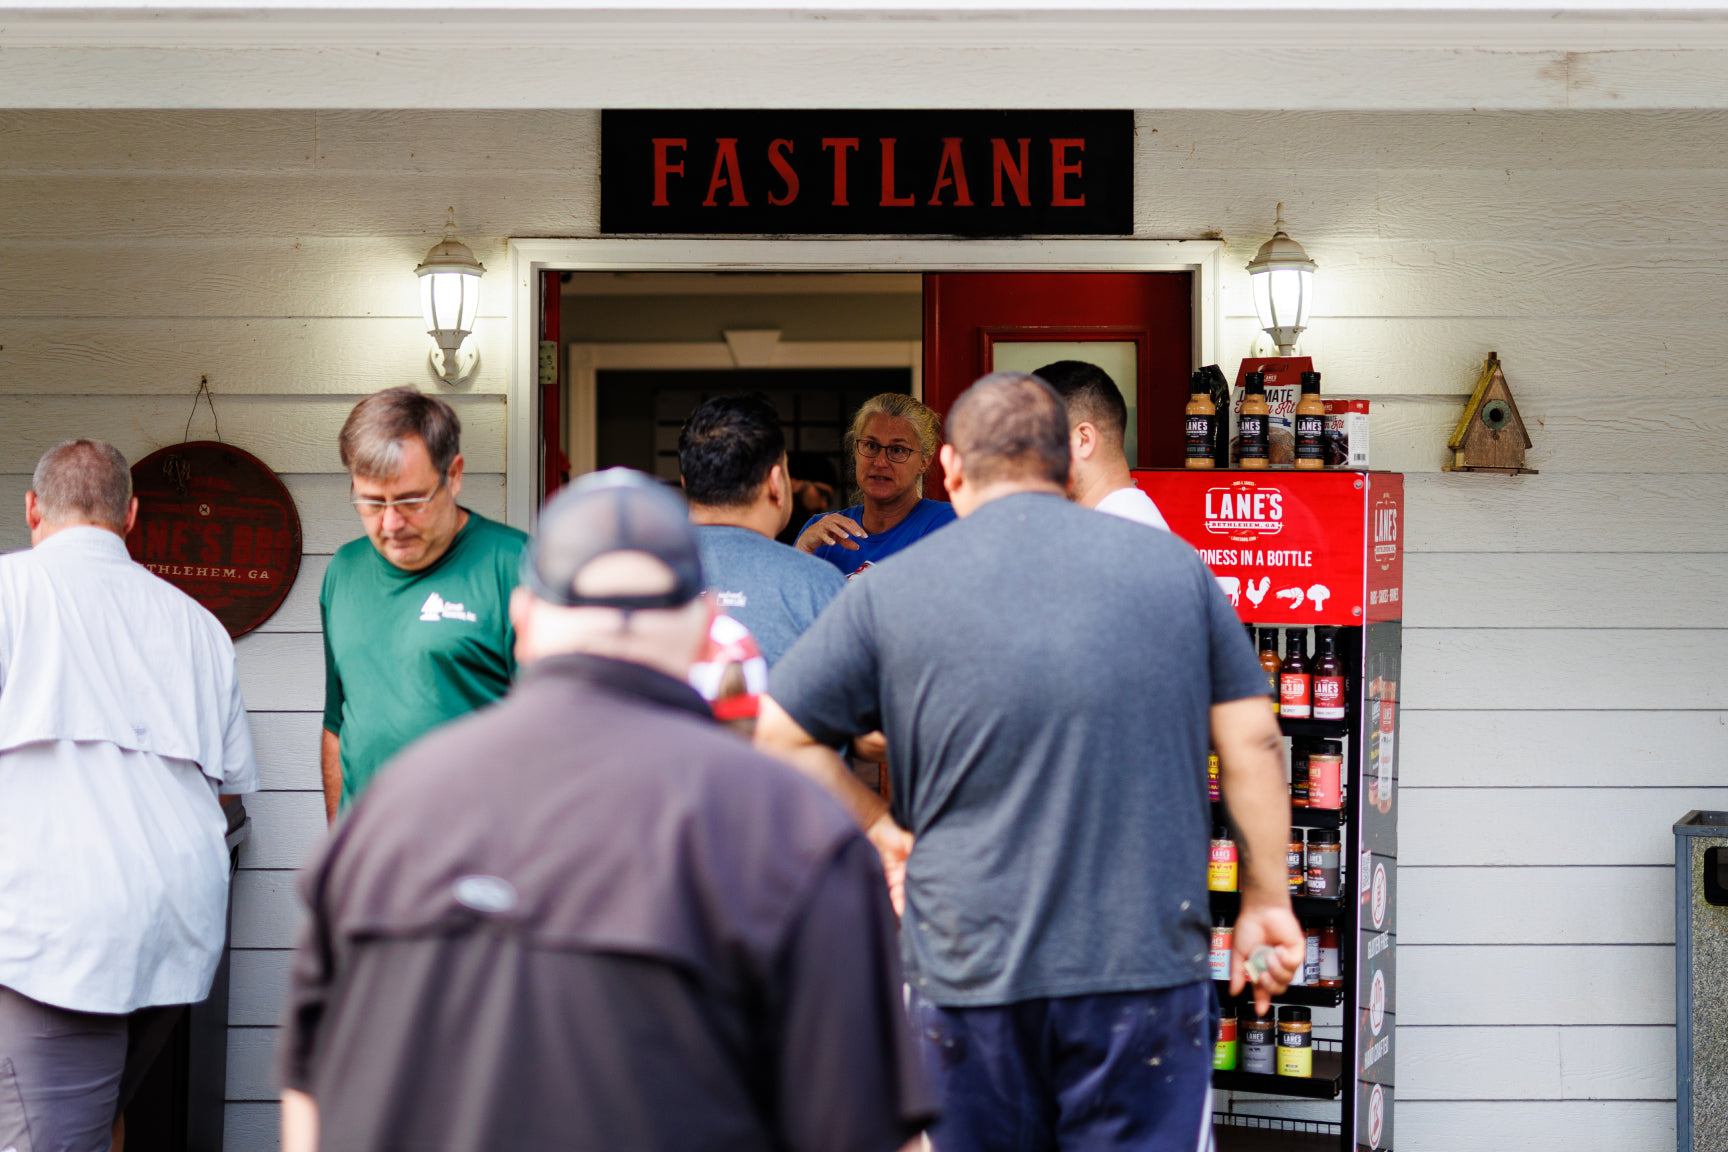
[(864, 172)]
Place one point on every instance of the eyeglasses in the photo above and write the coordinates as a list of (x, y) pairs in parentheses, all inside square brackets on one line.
[(898, 453), (407, 506)]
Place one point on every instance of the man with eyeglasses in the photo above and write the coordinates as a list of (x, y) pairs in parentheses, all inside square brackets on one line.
[(416, 614)]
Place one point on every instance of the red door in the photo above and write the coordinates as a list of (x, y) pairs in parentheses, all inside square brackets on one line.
[(1138, 326)]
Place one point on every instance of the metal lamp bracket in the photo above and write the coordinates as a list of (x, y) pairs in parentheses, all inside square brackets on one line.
[(465, 367)]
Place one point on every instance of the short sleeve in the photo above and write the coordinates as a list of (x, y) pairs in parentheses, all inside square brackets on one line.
[(827, 681), (239, 763), (848, 1076), (1236, 671), (509, 575)]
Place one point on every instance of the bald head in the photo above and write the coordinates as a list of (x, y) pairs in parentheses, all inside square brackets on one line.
[(82, 482), (1011, 427)]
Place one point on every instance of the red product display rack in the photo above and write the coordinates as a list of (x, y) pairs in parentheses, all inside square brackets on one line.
[(1304, 549)]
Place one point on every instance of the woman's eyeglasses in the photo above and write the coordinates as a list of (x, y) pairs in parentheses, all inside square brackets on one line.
[(898, 453)]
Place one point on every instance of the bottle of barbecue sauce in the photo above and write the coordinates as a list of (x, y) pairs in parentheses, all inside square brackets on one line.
[(1254, 425), (1202, 415), (1310, 424)]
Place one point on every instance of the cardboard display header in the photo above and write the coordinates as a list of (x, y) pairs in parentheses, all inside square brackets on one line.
[(864, 172)]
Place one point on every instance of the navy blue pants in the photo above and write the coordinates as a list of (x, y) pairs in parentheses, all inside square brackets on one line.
[(1125, 1070)]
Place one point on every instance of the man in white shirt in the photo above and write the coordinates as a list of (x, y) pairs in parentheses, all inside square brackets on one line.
[(1097, 421), (120, 722)]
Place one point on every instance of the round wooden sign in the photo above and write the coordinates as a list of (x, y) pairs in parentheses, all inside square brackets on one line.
[(217, 524)]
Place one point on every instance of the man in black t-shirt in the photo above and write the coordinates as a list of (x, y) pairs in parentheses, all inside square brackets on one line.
[(1048, 680), (588, 917)]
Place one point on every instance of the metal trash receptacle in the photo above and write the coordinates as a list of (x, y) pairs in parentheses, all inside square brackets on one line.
[(1701, 981)]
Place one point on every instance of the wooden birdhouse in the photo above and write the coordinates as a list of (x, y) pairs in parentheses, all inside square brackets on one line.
[(1491, 436)]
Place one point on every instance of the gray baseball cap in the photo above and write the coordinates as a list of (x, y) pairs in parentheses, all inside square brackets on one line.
[(618, 510)]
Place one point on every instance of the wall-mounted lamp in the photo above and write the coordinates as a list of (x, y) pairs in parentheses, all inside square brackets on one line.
[(450, 299), (1283, 280)]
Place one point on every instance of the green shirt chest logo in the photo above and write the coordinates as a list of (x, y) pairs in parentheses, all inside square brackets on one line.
[(437, 608)]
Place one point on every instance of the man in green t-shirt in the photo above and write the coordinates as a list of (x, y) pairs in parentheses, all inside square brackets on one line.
[(416, 614)]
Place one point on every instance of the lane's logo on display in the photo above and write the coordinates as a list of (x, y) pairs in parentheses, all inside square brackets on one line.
[(1385, 530), (1378, 899), (1376, 1116), (1244, 511), (437, 608), (1377, 1003)]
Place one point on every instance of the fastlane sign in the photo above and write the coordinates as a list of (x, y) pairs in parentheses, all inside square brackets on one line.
[(1068, 173)]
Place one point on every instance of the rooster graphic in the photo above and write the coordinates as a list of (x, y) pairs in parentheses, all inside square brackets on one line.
[(1257, 590)]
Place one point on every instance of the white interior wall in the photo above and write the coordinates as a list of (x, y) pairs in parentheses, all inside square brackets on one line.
[(1561, 706)]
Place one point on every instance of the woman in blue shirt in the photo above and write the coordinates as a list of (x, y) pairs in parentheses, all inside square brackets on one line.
[(893, 439)]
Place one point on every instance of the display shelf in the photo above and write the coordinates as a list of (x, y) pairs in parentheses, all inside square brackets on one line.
[(1315, 995), (1326, 1083), (1305, 907), (1234, 1132), (1315, 729), (1299, 817)]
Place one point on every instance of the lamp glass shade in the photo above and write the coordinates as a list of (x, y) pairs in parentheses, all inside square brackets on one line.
[(450, 299), (1282, 299)]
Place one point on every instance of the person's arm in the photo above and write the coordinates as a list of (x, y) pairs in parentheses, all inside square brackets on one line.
[(239, 761), (299, 1122), (833, 528), (1251, 778), (330, 766)]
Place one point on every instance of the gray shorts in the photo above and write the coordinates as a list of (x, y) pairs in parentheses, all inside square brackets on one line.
[(66, 1076)]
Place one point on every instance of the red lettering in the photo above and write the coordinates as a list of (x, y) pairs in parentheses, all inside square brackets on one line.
[(177, 542), (840, 146), (726, 157), (1002, 163), (889, 200), (211, 552), (951, 172), (1060, 170), (663, 168), (242, 543), (156, 540), (777, 156), (284, 542)]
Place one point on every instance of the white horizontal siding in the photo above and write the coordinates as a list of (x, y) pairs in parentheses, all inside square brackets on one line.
[(1560, 702)]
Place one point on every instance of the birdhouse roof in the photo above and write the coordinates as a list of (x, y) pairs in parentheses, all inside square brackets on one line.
[(1490, 371)]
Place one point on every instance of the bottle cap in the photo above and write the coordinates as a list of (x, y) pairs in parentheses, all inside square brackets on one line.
[(1294, 1014), (1268, 636), (1332, 747), (1197, 383), (1255, 1015), (1254, 383), (1310, 383), (1220, 832)]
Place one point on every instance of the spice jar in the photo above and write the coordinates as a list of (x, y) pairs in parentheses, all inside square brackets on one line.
[(1223, 942), (1259, 1031), (1310, 954), (1331, 975), (1212, 791), (1224, 1052), (1296, 863), (1324, 860), (1221, 861), (1298, 777), (1326, 775), (1295, 1041)]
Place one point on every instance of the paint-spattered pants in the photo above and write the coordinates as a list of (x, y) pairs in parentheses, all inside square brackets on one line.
[(65, 1076), (1127, 1070)]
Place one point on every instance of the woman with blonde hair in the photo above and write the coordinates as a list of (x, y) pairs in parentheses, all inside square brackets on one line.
[(892, 441)]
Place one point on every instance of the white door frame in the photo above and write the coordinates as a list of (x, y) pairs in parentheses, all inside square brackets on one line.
[(528, 258)]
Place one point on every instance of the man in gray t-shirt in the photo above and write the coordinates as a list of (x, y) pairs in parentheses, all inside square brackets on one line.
[(732, 456), (1048, 680)]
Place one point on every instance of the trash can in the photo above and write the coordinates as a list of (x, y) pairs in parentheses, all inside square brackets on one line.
[(1701, 981), (179, 1103)]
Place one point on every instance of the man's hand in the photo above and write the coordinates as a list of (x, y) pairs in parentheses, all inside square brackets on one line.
[(831, 529), (299, 1122), (1269, 924), (894, 844), (784, 738), (872, 746)]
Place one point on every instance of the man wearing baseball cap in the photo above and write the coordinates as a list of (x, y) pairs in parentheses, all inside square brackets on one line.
[(629, 931)]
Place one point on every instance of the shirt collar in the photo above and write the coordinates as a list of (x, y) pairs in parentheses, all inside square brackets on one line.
[(87, 538), (622, 676)]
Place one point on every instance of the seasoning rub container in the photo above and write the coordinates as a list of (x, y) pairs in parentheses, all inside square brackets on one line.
[(1326, 775), (1296, 863), (1224, 1052), (1324, 860), (1221, 861), (1295, 1041), (1259, 1033), (1223, 941)]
